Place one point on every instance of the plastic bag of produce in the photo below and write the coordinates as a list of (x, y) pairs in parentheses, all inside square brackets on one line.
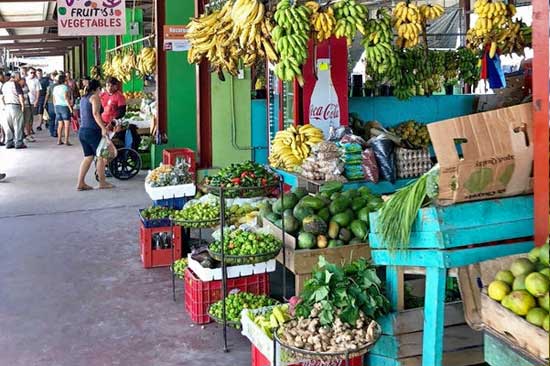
[(351, 148), (353, 139), (354, 172), (335, 134), (106, 149), (370, 167), (384, 151), (353, 159)]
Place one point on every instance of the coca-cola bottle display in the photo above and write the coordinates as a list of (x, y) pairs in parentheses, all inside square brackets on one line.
[(324, 109)]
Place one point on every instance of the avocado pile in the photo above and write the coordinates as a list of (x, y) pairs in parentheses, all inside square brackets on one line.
[(331, 218), (523, 288)]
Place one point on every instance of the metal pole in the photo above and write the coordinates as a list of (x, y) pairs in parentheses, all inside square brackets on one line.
[(281, 192), (224, 268)]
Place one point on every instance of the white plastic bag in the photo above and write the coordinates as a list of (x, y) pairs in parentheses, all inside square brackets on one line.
[(106, 149)]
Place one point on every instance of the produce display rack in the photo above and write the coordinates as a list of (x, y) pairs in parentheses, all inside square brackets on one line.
[(221, 192), (185, 224), (448, 237)]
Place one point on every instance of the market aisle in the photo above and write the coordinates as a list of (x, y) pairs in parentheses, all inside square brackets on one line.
[(72, 289)]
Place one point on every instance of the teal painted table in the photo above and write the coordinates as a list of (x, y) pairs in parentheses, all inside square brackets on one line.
[(382, 187), (448, 237)]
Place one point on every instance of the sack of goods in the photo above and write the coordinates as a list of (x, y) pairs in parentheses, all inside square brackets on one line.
[(326, 163)]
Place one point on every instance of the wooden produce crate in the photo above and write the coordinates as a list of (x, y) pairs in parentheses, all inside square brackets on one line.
[(499, 353), (302, 261), (483, 313)]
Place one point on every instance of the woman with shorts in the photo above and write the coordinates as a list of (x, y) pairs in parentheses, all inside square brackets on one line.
[(92, 128), (63, 109)]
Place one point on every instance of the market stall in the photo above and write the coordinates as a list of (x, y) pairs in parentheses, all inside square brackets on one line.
[(413, 180)]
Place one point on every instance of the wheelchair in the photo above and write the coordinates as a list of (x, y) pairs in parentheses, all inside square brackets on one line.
[(127, 163)]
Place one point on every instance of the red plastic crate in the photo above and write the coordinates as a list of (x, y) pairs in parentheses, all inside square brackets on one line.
[(258, 359), (169, 156), (200, 295), (158, 257)]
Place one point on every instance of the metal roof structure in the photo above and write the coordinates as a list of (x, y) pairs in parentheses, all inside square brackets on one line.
[(29, 27)]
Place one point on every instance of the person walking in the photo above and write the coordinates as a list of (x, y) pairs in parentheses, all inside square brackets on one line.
[(34, 86), (44, 84), (63, 109), (49, 106), (14, 104), (27, 112), (92, 129), (2, 133)]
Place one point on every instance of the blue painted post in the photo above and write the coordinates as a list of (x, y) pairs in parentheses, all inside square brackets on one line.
[(394, 282), (434, 316)]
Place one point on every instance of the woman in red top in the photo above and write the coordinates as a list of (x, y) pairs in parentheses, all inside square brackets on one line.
[(112, 101)]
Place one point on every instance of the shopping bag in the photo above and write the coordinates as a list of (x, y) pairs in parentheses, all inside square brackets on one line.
[(74, 123), (45, 115), (106, 149)]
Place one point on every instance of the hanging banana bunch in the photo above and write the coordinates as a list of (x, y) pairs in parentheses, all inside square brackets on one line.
[(322, 21), (350, 17), (407, 22), (431, 12), (108, 66), (146, 62), (95, 72)]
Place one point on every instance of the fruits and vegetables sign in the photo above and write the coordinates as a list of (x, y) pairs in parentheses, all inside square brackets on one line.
[(91, 17)]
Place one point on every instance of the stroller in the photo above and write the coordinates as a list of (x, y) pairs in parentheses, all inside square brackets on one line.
[(127, 162)]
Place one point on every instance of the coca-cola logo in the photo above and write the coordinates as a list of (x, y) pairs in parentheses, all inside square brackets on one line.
[(324, 112)]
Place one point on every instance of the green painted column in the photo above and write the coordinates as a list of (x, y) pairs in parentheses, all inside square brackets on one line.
[(231, 120), (136, 83), (90, 54), (181, 90)]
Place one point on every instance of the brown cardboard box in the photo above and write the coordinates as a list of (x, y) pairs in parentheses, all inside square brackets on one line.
[(496, 154)]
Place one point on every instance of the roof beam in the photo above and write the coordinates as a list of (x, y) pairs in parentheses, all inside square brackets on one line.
[(38, 54), (41, 45), (47, 36), (28, 24)]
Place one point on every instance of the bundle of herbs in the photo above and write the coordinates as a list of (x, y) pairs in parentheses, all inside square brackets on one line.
[(397, 214)]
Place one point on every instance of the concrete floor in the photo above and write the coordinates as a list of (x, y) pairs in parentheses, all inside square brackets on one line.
[(72, 288)]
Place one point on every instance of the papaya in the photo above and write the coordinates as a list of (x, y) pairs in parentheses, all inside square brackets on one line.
[(335, 196), (315, 203), (344, 235), (300, 212), (342, 219), (289, 200), (359, 228), (272, 216), (306, 241), (324, 195), (363, 214), (299, 192), (358, 203), (265, 210), (291, 224), (324, 213), (352, 214), (333, 229), (335, 243), (314, 224), (375, 203), (277, 207), (331, 187), (350, 193), (322, 241), (339, 205), (364, 191)]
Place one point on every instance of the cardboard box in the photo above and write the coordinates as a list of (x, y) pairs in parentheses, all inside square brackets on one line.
[(485, 155)]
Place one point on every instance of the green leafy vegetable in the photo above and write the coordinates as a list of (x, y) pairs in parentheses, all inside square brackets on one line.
[(350, 289)]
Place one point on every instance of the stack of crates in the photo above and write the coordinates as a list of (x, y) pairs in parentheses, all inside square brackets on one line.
[(156, 237), (199, 295)]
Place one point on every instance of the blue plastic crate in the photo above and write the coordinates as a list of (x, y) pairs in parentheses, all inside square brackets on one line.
[(151, 223), (176, 203)]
